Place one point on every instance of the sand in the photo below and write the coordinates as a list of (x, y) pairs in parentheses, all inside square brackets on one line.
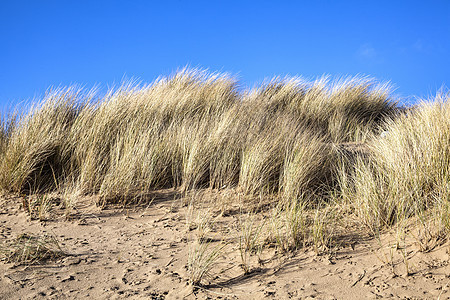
[(142, 253)]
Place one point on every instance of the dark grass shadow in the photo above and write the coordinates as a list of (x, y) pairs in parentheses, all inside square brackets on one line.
[(241, 279), (142, 200)]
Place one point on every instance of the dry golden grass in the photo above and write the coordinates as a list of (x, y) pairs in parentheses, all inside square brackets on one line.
[(287, 138), (408, 171), (190, 130), (30, 249), (33, 157)]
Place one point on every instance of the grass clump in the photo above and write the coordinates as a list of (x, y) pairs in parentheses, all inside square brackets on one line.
[(408, 171), (141, 139), (191, 130), (308, 168), (33, 157), (202, 258), (28, 249), (289, 225), (251, 234)]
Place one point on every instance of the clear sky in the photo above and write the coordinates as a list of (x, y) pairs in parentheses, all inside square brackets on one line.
[(47, 43)]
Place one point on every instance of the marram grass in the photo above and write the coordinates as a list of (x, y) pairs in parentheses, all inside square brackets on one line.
[(408, 170), (197, 129)]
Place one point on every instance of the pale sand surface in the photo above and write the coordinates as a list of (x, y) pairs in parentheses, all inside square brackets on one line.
[(142, 253)]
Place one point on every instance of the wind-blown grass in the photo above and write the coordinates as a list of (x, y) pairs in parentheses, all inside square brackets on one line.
[(32, 155), (318, 150), (192, 130), (408, 171)]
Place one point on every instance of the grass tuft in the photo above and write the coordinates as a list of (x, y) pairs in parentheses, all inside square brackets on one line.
[(408, 170), (28, 249)]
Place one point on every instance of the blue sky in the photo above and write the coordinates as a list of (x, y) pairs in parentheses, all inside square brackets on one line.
[(52, 43)]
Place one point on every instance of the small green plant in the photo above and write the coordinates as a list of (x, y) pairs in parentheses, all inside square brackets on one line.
[(30, 249)]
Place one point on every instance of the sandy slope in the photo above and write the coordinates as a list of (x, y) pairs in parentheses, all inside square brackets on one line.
[(142, 254)]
